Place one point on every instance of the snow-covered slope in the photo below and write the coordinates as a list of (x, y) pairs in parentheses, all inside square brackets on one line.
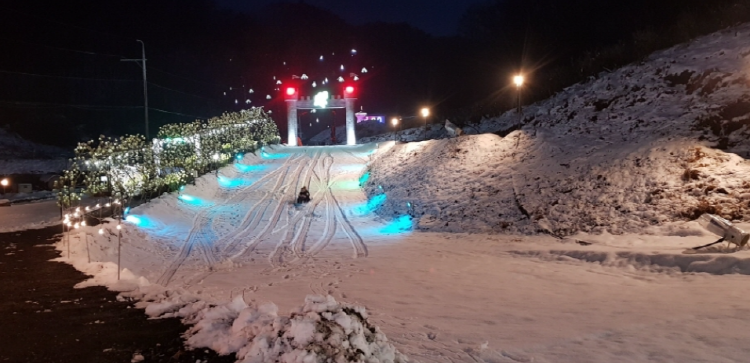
[(634, 148), (19, 156)]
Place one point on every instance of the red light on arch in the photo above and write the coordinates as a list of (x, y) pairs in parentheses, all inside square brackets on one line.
[(349, 89), (290, 91)]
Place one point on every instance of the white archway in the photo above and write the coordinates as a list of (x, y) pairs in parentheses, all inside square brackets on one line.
[(307, 103)]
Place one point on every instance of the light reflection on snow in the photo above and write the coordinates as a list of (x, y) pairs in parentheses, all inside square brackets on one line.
[(400, 224), (192, 200), (140, 221), (371, 205), (265, 155), (247, 168), (364, 178), (232, 183)]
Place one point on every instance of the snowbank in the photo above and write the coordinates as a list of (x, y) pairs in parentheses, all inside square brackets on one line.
[(650, 143), (322, 330)]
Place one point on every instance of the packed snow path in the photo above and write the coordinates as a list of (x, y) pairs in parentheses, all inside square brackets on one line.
[(254, 206)]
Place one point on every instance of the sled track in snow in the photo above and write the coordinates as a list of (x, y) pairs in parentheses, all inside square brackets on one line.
[(200, 223), (252, 217), (360, 250), (244, 238), (293, 239), (285, 195)]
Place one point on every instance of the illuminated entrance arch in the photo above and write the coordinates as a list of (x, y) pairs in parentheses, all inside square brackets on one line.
[(320, 100)]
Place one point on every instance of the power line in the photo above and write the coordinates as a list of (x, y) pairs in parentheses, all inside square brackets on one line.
[(58, 105), (98, 53), (186, 78), (185, 93), (66, 24), (107, 79), (70, 77), (87, 107), (176, 113), (64, 49)]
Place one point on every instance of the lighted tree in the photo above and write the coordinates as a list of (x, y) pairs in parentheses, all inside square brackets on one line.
[(125, 167)]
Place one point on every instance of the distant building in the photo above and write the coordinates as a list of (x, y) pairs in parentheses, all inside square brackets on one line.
[(363, 117)]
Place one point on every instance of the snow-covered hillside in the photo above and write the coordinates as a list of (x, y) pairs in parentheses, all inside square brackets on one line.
[(19, 156), (634, 148)]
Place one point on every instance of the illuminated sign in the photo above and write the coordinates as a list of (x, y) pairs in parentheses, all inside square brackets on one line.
[(321, 99), (375, 118)]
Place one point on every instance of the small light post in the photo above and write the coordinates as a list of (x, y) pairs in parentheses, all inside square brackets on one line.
[(394, 121), (4, 183), (518, 81), (425, 112), (119, 247)]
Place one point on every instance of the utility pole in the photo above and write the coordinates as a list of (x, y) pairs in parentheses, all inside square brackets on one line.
[(145, 84)]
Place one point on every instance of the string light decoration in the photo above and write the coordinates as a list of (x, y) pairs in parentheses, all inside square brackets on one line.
[(129, 166)]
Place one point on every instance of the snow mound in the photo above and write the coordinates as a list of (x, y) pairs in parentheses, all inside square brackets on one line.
[(645, 145), (321, 330)]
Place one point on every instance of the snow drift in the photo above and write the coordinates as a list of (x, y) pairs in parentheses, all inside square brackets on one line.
[(654, 142)]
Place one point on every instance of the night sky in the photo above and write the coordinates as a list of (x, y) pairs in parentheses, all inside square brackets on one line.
[(61, 60), (438, 18)]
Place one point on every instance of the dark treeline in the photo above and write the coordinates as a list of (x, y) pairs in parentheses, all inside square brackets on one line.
[(62, 79)]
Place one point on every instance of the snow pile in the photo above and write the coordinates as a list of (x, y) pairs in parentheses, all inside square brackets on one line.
[(650, 143), (322, 330)]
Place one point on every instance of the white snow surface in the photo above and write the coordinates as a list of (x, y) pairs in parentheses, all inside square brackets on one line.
[(560, 242), (35, 215)]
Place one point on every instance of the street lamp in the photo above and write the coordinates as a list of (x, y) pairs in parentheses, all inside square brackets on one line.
[(4, 183), (394, 121), (425, 112), (518, 80)]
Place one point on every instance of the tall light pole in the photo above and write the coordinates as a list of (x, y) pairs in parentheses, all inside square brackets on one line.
[(394, 121), (145, 84), (4, 183), (425, 112), (518, 80)]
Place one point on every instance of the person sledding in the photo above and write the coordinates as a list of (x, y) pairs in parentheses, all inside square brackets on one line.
[(304, 196)]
